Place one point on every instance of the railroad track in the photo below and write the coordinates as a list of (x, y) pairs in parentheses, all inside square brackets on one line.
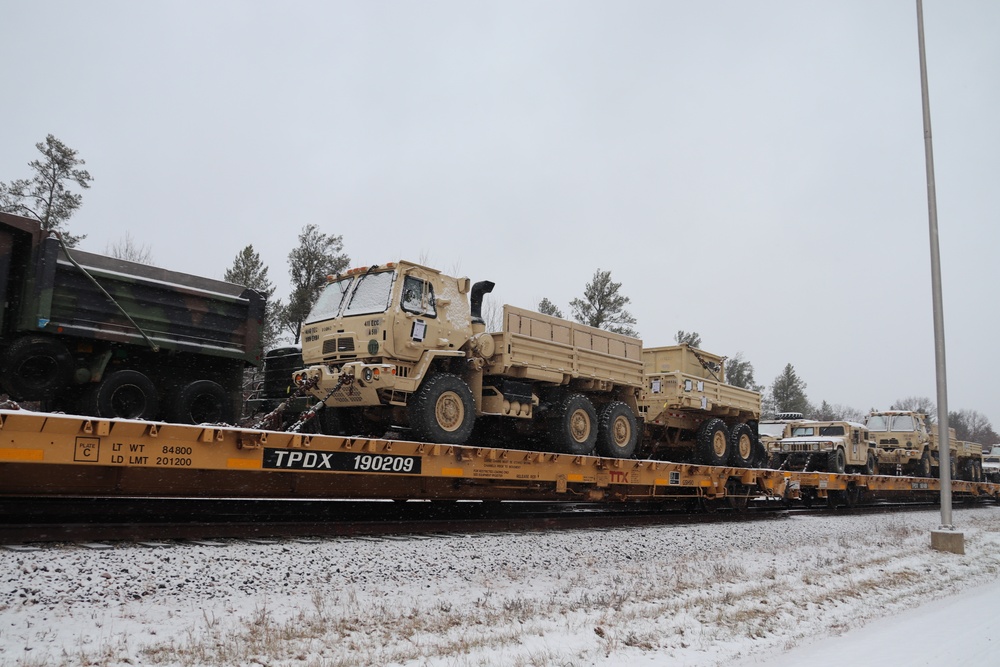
[(52, 520)]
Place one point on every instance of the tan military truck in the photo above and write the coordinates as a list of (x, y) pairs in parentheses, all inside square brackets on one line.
[(908, 447), (831, 446), (691, 414), (991, 465), (403, 345)]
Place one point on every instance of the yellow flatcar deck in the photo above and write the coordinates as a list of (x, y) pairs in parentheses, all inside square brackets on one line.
[(51, 455)]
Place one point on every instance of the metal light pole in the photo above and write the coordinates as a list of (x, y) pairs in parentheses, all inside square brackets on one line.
[(944, 453)]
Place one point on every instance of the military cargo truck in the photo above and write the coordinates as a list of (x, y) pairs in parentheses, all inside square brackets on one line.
[(830, 446), (691, 414), (908, 446), (403, 345), (95, 335)]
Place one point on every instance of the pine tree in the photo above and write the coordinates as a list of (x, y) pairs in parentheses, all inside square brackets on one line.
[(248, 270), (45, 196), (788, 393), (739, 373), (692, 338), (317, 256), (603, 307), (546, 307)]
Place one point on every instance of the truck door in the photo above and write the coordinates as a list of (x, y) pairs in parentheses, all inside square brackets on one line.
[(418, 328)]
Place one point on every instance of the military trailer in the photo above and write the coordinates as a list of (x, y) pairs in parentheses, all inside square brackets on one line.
[(95, 335), (830, 446), (404, 346), (691, 414), (907, 446)]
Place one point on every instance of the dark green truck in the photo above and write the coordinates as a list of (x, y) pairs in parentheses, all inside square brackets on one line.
[(95, 335)]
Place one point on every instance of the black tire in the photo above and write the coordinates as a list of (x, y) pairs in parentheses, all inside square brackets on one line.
[(36, 368), (871, 464), (774, 461), (124, 395), (200, 402), (923, 468), (741, 446), (572, 429), (712, 446), (617, 431), (442, 410), (836, 462)]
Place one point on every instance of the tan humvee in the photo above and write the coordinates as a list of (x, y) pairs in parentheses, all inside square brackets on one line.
[(691, 414), (403, 344), (773, 430), (832, 446)]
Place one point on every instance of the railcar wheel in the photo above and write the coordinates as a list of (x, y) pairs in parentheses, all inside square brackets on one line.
[(712, 447), (573, 427), (741, 446), (200, 402), (123, 394), (836, 461), (442, 410), (617, 431), (36, 368)]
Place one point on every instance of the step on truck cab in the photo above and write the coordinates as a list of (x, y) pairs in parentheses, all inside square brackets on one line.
[(829, 446), (403, 345)]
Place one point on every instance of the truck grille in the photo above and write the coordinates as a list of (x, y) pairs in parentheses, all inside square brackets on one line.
[(337, 345)]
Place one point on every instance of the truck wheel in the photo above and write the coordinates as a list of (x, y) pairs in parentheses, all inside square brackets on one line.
[(200, 402), (442, 410), (712, 447), (123, 394), (36, 368), (741, 449), (924, 465), (573, 428), (836, 461), (617, 432), (871, 464)]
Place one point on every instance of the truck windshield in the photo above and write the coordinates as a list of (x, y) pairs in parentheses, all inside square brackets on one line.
[(802, 431), (876, 423), (773, 430), (371, 295), (330, 299), (902, 423), (831, 430)]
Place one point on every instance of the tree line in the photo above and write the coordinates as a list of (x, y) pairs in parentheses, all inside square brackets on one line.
[(47, 197)]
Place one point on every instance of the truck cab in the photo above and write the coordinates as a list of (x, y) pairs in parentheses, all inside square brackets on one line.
[(832, 446), (375, 333)]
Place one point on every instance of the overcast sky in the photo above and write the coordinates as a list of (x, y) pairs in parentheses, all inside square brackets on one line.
[(753, 171)]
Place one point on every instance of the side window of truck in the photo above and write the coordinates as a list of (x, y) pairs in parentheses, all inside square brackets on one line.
[(418, 297)]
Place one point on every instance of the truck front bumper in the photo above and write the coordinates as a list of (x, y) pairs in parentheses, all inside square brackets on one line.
[(354, 384)]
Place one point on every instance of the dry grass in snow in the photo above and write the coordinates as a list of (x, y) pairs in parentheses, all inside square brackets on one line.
[(690, 595)]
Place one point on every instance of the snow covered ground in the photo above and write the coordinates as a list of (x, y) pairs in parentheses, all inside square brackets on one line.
[(770, 592)]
